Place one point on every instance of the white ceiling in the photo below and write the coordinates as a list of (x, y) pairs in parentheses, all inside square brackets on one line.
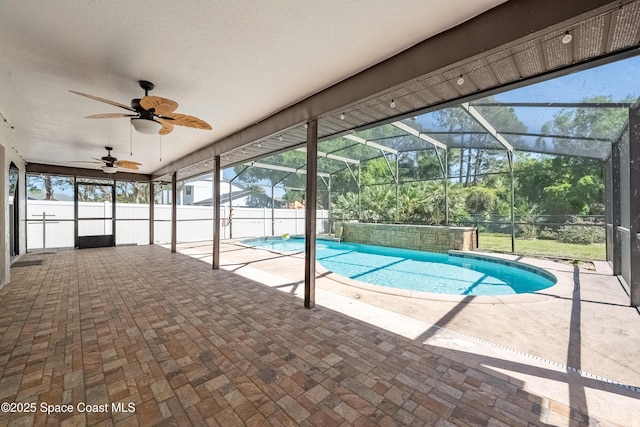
[(229, 63)]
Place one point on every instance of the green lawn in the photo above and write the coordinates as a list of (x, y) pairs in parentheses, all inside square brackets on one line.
[(549, 248)]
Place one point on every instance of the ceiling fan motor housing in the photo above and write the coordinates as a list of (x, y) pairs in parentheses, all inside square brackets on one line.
[(145, 114), (109, 159), (145, 123)]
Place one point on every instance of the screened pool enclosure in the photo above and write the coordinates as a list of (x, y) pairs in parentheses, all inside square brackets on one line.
[(542, 170)]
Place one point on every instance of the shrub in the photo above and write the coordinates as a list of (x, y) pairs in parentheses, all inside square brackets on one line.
[(548, 233), (582, 234), (527, 231)]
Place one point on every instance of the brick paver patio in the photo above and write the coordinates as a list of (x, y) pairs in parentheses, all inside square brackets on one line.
[(186, 345)]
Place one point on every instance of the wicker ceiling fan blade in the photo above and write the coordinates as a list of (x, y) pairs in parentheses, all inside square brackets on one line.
[(189, 121), (110, 116), (160, 105), (106, 101), (127, 164), (167, 127)]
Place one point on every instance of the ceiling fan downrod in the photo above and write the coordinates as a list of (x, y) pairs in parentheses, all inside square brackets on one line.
[(146, 86)]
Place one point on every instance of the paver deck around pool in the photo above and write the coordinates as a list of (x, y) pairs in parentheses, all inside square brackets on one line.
[(192, 346), (583, 323)]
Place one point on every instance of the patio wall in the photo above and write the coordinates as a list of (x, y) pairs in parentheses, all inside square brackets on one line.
[(418, 237)]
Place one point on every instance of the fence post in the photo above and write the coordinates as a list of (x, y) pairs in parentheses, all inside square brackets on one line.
[(225, 214), (104, 215), (264, 221)]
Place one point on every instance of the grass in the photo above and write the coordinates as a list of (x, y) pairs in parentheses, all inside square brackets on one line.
[(547, 248)]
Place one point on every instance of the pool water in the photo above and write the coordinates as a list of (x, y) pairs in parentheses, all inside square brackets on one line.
[(416, 270)]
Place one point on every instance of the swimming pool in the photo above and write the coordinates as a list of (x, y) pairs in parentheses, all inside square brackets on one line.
[(418, 271)]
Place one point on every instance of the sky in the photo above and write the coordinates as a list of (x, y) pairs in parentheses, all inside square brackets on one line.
[(618, 79)]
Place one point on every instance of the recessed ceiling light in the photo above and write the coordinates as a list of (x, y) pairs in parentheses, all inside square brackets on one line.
[(566, 38), (342, 116), (393, 104), (460, 80)]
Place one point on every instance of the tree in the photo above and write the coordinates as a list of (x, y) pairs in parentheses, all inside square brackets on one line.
[(48, 184), (253, 199), (413, 200), (378, 204), (473, 159), (560, 185), (345, 207), (571, 185), (132, 192), (94, 193), (589, 122), (482, 200)]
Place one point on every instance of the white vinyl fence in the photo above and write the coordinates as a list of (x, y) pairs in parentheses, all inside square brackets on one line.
[(195, 223)]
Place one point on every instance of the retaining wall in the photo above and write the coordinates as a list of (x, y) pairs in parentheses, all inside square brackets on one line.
[(419, 237)]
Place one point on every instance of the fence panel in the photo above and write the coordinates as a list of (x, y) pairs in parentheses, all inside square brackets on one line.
[(195, 223)]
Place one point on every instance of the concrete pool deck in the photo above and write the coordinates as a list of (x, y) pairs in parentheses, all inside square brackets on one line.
[(565, 342)]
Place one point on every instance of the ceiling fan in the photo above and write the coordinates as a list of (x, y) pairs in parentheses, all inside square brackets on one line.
[(152, 114), (111, 164)]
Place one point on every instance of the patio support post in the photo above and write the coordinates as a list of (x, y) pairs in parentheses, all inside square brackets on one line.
[(397, 219), (329, 203), (174, 211), (359, 192), (273, 210), (634, 204), (616, 219), (231, 207), (76, 242), (113, 212), (152, 200), (310, 215), (215, 262), (445, 173), (513, 196)]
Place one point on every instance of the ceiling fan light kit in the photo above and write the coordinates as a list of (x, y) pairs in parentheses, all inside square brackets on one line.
[(147, 126), (109, 169)]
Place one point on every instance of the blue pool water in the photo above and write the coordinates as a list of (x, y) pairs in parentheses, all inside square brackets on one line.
[(416, 270)]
